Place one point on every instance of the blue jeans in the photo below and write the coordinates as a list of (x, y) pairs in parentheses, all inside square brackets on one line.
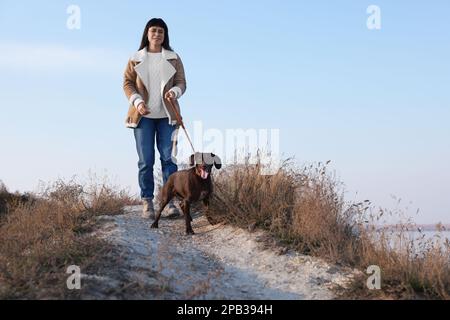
[(144, 135)]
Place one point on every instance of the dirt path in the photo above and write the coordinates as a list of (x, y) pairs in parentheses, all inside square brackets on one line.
[(219, 262)]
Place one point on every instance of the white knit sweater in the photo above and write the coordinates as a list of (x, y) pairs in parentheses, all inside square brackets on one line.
[(154, 102)]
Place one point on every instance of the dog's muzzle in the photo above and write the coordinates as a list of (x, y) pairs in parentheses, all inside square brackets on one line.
[(203, 174)]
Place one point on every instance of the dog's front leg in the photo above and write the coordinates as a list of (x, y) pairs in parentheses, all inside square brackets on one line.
[(208, 217), (187, 216), (206, 204)]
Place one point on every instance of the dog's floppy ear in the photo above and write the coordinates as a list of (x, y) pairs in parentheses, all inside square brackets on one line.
[(191, 161), (195, 159), (217, 161)]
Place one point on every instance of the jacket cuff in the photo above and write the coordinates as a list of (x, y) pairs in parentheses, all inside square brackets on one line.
[(177, 91), (137, 101), (134, 97)]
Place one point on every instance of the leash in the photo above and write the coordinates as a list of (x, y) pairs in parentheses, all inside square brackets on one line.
[(177, 115)]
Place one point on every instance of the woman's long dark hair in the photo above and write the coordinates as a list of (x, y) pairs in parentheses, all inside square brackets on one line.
[(156, 22)]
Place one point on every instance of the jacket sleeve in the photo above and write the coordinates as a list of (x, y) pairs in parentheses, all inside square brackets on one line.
[(179, 79), (129, 84)]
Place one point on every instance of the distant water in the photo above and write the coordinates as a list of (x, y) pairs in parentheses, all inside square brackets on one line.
[(421, 238), (430, 234)]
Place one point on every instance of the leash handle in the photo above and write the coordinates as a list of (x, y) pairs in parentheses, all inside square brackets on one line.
[(177, 115)]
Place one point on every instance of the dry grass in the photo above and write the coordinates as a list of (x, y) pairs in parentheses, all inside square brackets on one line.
[(41, 234), (304, 208)]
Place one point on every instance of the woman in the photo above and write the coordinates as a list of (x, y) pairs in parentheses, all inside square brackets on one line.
[(153, 75)]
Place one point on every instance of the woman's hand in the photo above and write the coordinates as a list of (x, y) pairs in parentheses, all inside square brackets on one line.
[(170, 95), (142, 109)]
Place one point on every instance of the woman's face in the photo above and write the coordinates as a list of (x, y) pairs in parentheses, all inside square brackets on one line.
[(156, 36)]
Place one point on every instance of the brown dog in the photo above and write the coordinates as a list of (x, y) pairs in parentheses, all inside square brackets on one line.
[(190, 185)]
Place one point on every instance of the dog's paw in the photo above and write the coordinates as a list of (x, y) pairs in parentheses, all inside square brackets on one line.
[(190, 232), (154, 225), (212, 221)]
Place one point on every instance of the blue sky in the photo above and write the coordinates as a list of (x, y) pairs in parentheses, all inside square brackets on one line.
[(374, 102)]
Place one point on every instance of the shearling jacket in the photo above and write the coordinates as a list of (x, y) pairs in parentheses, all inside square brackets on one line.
[(136, 87)]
